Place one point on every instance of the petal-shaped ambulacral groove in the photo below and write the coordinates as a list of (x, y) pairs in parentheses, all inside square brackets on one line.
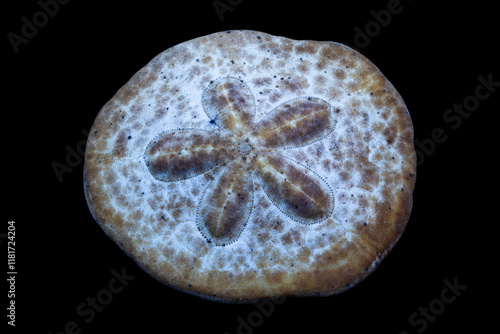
[(298, 122), (184, 153), (226, 205), (296, 190), (230, 104)]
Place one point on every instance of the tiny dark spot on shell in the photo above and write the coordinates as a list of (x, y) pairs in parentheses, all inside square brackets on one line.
[(129, 137)]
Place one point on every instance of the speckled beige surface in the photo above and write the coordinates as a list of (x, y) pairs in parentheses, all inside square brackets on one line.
[(362, 164)]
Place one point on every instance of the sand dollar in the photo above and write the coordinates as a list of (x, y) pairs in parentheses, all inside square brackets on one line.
[(240, 166)]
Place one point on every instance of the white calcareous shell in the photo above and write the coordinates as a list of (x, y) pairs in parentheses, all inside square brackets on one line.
[(240, 166)]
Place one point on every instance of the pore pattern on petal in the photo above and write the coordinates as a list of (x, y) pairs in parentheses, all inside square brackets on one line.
[(296, 123), (184, 153), (229, 103), (226, 205), (296, 190)]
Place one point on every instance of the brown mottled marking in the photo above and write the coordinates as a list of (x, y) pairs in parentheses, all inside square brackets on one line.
[(206, 59), (121, 144), (262, 82), (296, 123), (307, 47), (330, 54), (303, 254), (320, 79), (292, 237), (295, 84), (389, 135), (181, 154), (304, 68), (340, 74)]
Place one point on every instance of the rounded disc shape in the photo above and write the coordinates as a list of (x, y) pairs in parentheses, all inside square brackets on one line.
[(240, 166)]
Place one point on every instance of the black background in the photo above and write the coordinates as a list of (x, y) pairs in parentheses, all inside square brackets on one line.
[(59, 80)]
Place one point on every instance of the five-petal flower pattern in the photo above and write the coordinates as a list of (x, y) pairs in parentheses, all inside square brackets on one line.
[(245, 152)]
